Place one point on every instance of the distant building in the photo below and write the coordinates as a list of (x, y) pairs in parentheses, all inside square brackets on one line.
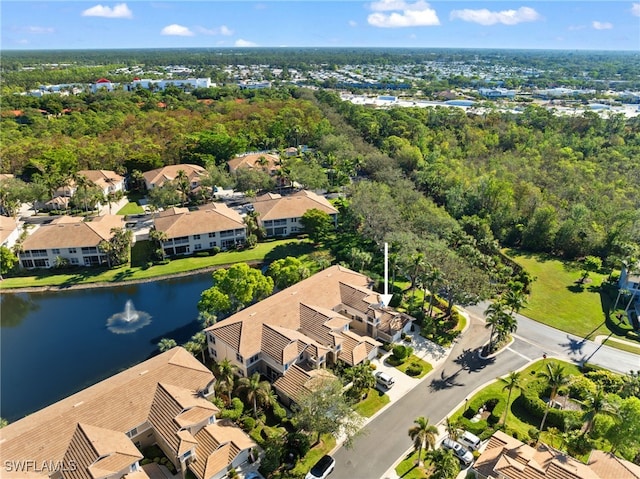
[(9, 231), (102, 84), (108, 181), (254, 85), (184, 84), (158, 177), (494, 93)]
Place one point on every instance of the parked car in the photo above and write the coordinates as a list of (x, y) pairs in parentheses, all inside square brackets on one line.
[(471, 441), (461, 452), (252, 475), (384, 379), (322, 468)]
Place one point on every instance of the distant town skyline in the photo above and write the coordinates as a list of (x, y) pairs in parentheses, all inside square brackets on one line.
[(563, 25)]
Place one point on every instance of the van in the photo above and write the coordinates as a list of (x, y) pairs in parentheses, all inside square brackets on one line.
[(470, 440), (384, 379)]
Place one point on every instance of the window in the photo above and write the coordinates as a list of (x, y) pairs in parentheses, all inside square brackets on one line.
[(212, 244), (72, 251), (55, 250), (74, 261), (197, 247), (212, 235), (196, 237), (41, 263), (92, 249), (213, 353), (132, 432), (227, 233), (239, 358), (27, 263)]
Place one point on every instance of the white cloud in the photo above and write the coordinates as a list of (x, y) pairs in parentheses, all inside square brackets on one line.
[(487, 17), (244, 43), (22, 41), (418, 14), (35, 29), (119, 11), (574, 28), (221, 30), (602, 25), (353, 23), (176, 30), (635, 9)]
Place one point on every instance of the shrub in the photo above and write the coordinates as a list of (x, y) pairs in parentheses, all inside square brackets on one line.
[(215, 250), (201, 254), (387, 346), (532, 402), (580, 387), (491, 404), (279, 412), (414, 369), (235, 411), (633, 335), (609, 381), (248, 423), (372, 366), (298, 443), (401, 352)]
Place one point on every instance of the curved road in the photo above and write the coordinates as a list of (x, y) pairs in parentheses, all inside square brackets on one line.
[(385, 438)]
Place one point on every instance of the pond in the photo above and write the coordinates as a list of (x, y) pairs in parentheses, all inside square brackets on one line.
[(53, 344)]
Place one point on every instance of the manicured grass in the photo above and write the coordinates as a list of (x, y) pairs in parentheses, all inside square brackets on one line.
[(408, 468), (517, 419), (327, 443), (131, 208), (557, 300), (630, 348), (263, 252), (426, 367), (375, 401)]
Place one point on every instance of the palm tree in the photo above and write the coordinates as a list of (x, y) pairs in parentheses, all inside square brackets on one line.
[(361, 378), (495, 314), (159, 237), (166, 344), (207, 319), (423, 435), (182, 182), (199, 342), (3, 422), (594, 405), (511, 382), (508, 324), (83, 183), (453, 429), (444, 464), (515, 299), (255, 391), (555, 378), (225, 373)]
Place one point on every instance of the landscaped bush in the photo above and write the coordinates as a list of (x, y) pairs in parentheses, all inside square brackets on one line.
[(401, 352), (387, 346), (298, 443), (609, 381), (580, 387), (248, 423), (633, 335), (531, 400), (414, 369), (235, 411), (279, 412), (201, 254)]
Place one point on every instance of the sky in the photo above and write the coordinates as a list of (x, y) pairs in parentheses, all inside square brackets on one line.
[(527, 24)]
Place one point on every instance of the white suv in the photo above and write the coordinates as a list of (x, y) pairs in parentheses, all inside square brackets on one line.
[(322, 468), (384, 379)]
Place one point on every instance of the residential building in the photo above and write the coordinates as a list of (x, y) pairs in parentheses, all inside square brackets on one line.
[(108, 181), (71, 238), (102, 84), (508, 458), (307, 326), (630, 282), (494, 93), (161, 85), (210, 226), (280, 215), (159, 176), (9, 231), (100, 432), (263, 161)]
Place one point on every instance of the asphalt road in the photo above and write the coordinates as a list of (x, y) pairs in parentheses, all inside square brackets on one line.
[(566, 346), (385, 439)]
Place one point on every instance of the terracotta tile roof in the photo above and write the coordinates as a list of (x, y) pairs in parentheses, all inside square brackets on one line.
[(298, 383), (207, 219), (356, 348), (253, 160), (359, 298), (119, 403), (608, 465), (293, 206), (322, 324), (102, 178), (160, 176), (68, 232), (243, 330), (512, 459), (7, 226)]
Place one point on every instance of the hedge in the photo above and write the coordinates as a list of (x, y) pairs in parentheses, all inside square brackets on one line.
[(531, 400)]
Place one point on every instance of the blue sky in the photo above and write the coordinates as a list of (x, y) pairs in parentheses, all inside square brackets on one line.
[(590, 25)]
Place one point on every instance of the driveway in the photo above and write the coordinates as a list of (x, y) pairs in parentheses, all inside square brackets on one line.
[(384, 439)]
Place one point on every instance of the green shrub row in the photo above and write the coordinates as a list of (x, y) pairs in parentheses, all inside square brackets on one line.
[(531, 400)]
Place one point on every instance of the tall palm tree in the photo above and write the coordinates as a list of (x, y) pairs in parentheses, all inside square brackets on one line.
[(182, 182), (423, 435), (495, 314), (444, 464), (452, 428), (255, 391), (511, 382), (158, 237), (361, 378), (508, 324), (555, 378), (515, 299), (225, 373), (595, 404)]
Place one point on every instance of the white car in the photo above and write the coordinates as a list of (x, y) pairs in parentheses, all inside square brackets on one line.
[(322, 468), (384, 379), (461, 452)]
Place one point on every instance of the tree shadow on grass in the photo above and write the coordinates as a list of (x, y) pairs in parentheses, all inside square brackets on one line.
[(290, 249)]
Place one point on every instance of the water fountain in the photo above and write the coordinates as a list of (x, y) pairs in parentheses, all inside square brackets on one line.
[(129, 320)]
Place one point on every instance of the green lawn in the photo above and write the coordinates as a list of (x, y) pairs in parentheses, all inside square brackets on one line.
[(131, 208), (426, 367), (630, 348), (327, 443), (557, 300), (408, 468), (268, 251), (375, 401)]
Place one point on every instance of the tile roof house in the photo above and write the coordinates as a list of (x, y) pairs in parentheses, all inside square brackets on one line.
[(71, 238), (508, 458), (280, 215), (108, 181), (99, 432), (630, 281), (305, 327), (262, 161), (159, 176), (209, 226), (9, 231)]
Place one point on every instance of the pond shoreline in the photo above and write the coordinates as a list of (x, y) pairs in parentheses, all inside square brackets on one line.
[(110, 284)]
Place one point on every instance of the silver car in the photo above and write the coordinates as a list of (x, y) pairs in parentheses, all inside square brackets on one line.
[(461, 452)]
